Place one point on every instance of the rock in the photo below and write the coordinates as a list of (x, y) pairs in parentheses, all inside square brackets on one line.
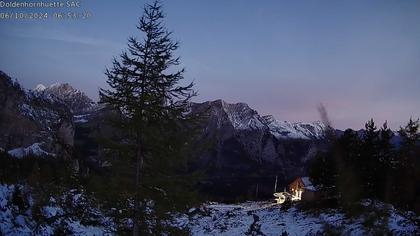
[(30, 117), (246, 143), (66, 133), (75, 99)]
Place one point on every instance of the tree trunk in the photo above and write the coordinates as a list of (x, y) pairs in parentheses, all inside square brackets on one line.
[(139, 165)]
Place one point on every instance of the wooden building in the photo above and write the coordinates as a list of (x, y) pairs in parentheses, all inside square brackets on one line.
[(302, 189)]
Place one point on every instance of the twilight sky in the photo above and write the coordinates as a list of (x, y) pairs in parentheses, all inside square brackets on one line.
[(361, 59)]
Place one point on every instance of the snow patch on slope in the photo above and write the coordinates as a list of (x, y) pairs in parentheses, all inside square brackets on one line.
[(242, 116), (57, 219), (40, 88), (265, 218), (34, 149), (75, 99), (298, 130), (81, 118)]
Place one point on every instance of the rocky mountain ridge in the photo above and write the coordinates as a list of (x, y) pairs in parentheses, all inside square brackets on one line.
[(243, 143), (75, 99), (246, 143), (243, 117), (28, 118)]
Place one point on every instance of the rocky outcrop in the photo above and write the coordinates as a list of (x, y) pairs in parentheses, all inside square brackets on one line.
[(76, 100), (92, 131), (239, 142), (247, 144), (30, 117), (235, 143)]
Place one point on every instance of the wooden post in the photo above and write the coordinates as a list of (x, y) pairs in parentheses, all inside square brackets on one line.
[(275, 185)]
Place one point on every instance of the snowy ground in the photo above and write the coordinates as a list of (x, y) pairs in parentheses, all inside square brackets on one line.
[(264, 218), (34, 149), (81, 118), (73, 214), (17, 216)]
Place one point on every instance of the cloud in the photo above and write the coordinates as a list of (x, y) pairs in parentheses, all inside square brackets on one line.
[(66, 37)]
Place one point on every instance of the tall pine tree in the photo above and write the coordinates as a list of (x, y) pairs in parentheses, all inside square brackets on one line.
[(410, 135), (386, 155), (369, 157), (408, 165), (145, 89)]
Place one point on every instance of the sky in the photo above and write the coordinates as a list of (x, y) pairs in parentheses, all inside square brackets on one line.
[(361, 59)]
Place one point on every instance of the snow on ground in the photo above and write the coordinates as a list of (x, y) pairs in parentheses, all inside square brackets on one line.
[(80, 118), (299, 130), (77, 228), (13, 221), (34, 149), (265, 218), (19, 219)]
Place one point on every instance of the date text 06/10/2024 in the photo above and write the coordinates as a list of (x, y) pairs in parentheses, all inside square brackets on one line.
[(45, 15)]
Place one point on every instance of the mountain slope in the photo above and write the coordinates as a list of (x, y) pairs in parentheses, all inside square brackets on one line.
[(299, 130), (266, 218), (29, 119), (75, 99), (243, 144)]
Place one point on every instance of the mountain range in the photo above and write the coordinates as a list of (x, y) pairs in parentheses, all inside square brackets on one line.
[(59, 120), (75, 99)]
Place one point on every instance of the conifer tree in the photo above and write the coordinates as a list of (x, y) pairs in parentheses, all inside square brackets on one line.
[(386, 135), (407, 171), (348, 179), (370, 136), (386, 158), (369, 156), (323, 170), (410, 140), (145, 89), (410, 135)]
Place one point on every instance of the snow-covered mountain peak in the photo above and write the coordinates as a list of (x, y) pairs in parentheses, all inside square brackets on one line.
[(74, 98), (40, 88), (64, 89), (300, 130), (269, 118), (242, 117)]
